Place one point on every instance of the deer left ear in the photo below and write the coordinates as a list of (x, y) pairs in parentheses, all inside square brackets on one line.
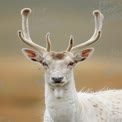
[(83, 54), (32, 55)]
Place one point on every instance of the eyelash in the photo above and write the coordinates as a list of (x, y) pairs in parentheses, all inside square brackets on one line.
[(71, 64), (45, 64)]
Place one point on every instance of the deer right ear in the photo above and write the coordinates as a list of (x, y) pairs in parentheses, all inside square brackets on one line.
[(83, 54), (32, 55)]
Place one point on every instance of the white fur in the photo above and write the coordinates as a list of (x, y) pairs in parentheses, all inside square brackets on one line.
[(64, 104)]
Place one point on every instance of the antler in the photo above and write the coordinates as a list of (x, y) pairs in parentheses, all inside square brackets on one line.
[(25, 35), (48, 42), (98, 16), (70, 44)]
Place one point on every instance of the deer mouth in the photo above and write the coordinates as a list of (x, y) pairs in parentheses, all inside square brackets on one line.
[(57, 83)]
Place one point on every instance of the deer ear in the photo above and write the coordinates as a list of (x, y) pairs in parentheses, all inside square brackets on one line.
[(32, 55), (83, 55)]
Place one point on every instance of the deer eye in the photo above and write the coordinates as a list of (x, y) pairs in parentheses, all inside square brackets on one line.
[(71, 64), (44, 64)]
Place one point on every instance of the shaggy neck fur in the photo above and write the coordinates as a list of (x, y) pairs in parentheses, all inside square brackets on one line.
[(62, 102)]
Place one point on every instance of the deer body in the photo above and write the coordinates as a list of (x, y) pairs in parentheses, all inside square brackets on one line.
[(55, 102), (63, 103), (104, 106)]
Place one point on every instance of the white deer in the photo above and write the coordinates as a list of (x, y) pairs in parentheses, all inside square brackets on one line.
[(63, 102)]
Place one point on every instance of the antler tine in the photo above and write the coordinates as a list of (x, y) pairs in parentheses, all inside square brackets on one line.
[(25, 26), (71, 40), (98, 16), (24, 33), (48, 42)]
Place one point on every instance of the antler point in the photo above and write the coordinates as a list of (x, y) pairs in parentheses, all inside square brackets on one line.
[(96, 12), (48, 34), (71, 36), (19, 32), (26, 11), (71, 39)]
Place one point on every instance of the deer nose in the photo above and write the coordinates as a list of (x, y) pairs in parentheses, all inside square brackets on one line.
[(57, 79)]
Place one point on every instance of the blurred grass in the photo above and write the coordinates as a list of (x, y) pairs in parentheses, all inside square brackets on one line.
[(22, 82), (22, 85)]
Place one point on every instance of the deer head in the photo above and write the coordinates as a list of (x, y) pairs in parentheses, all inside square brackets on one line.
[(58, 65)]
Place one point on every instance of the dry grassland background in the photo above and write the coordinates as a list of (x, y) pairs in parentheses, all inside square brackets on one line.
[(22, 82)]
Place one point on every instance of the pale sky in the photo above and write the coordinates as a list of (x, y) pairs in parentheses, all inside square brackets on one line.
[(62, 18)]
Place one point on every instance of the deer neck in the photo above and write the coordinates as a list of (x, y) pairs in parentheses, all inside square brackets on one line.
[(61, 93), (62, 100)]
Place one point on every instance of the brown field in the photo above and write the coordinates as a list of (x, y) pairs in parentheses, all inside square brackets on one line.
[(22, 86), (22, 82)]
